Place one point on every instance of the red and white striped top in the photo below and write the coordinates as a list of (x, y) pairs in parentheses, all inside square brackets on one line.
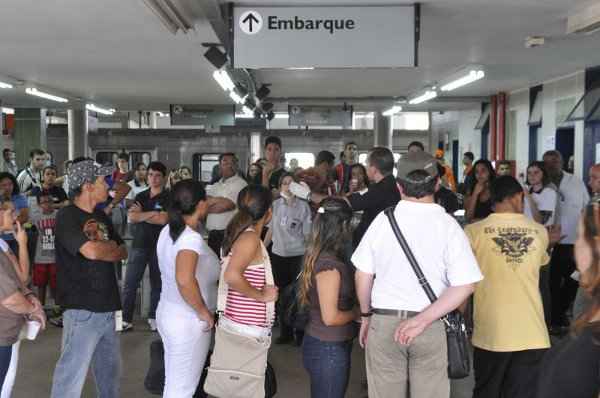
[(245, 310)]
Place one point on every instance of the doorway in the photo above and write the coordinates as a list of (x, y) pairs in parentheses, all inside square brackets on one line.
[(565, 144)]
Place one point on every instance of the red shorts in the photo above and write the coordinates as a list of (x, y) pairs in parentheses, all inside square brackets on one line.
[(44, 272)]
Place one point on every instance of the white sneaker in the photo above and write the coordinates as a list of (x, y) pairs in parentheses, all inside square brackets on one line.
[(152, 323), (127, 326)]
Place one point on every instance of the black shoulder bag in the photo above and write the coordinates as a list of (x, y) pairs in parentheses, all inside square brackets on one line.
[(459, 364)]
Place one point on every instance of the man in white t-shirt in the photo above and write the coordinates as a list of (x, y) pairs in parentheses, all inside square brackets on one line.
[(573, 197), (227, 190), (401, 329)]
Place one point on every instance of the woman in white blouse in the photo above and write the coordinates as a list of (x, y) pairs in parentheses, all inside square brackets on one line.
[(189, 272)]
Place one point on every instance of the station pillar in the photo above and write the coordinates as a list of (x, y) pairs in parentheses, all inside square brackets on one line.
[(77, 132), (384, 130), (255, 146), (30, 133)]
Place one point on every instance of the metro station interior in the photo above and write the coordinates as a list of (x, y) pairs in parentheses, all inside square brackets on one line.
[(184, 81)]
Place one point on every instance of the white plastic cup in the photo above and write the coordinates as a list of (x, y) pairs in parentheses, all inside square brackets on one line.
[(32, 328)]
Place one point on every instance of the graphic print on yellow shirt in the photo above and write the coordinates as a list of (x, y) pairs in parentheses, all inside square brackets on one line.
[(508, 312)]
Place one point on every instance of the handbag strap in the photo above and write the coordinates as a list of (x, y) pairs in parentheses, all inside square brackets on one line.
[(389, 212)]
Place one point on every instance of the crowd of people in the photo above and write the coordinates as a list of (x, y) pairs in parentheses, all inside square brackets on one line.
[(314, 252)]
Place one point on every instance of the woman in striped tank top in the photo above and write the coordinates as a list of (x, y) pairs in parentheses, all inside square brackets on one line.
[(249, 269)]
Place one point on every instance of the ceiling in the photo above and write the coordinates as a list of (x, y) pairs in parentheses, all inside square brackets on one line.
[(117, 53)]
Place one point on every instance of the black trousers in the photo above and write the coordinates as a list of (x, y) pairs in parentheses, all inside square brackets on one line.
[(285, 272), (562, 288), (215, 241), (506, 374)]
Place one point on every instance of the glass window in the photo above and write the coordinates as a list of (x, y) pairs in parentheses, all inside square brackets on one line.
[(137, 157), (535, 119), (304, 159), (106, 157), (586, 106), (204, 165), (411, 121), (484, 118)]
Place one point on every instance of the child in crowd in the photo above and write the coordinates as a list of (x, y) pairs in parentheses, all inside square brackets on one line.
[(44, 268)]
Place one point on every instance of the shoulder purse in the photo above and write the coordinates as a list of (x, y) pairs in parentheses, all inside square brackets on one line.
[(459, 363)]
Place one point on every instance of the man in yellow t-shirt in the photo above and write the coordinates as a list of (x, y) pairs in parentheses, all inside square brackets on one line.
[(510, 334)]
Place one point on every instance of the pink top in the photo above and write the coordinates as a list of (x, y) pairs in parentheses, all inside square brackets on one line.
[(245, 310)]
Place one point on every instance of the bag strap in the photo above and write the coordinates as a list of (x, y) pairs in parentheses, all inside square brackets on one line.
[(269, 280), (389, 212)]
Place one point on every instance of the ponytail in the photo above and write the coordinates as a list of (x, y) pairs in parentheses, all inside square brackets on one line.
[(253, 203), (176, 223)]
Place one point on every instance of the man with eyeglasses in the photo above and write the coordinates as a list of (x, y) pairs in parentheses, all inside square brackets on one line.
[(573, 196)]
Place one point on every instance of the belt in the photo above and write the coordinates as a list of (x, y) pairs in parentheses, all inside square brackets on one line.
[(402, 314)]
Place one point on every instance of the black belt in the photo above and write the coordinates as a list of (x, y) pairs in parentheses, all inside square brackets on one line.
[(403, 314)]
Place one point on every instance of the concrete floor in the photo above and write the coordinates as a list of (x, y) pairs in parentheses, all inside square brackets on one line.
[(37, 360)]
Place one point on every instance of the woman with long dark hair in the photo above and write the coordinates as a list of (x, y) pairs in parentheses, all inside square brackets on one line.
[(246, 274), (138, 183), (478, 201), (572, 368), (327, 289), (189, 271), (254, 176), (541, 197)]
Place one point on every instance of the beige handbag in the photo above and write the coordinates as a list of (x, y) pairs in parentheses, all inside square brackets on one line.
[(238, 363)]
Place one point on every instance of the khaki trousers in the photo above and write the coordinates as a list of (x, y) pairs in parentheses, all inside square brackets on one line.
[(419, 370)]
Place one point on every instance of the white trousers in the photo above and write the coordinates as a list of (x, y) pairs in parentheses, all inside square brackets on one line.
[(186, 346), (11, 375)]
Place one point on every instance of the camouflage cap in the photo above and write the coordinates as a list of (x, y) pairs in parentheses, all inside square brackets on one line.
[(86, 171)]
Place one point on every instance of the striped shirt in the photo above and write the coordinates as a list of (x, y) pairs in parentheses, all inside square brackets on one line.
[(246, 310)]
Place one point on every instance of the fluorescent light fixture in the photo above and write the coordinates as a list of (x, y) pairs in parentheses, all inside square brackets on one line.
[(168, 13), (8, 111), (104, 111), (244, 116), (41, 94), (236, 98), (5, 85), (247, 111), (301, 68), (429, 94), (282, 116), (368, 115), (392, 111), (472, 76), (224, 80), (161, 114)]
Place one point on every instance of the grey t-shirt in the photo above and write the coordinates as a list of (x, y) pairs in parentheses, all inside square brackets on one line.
[(346, 301), (44, 250), (291, 225)]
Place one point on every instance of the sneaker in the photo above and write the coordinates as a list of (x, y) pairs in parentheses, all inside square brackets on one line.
[(152, 323), (56, 321), (127, 326)]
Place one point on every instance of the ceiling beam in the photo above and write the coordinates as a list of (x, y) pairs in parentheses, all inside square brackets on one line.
[(217, 15)]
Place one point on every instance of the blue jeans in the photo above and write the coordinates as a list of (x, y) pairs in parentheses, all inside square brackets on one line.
[(136, 265), (328, 365), (88, 338), (5, 357)]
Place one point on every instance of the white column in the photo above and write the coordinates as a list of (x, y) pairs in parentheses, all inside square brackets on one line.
[(77, 132), (255, 146), (384, 131)]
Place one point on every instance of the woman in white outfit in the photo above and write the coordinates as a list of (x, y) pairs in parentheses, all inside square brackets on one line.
[(189, 271)]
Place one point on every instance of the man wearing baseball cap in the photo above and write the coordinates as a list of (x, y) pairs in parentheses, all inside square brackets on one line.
[(87, 247), (401, 329)]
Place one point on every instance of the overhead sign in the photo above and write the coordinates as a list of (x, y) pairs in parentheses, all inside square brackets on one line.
[(325, 37), (300, 115), (209, 116)]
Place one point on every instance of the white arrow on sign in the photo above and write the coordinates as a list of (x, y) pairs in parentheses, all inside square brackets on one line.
[(251, 22)]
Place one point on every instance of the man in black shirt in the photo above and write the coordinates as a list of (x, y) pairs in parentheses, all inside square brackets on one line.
[(382, 193), (87, 247), (149, 213), (272, 169)]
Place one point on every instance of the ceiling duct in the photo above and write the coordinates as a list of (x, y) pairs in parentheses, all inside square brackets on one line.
[(586, 20), (170, 15)]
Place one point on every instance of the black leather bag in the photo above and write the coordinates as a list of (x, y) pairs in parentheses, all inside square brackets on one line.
[(459, 362), (294, 314)]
